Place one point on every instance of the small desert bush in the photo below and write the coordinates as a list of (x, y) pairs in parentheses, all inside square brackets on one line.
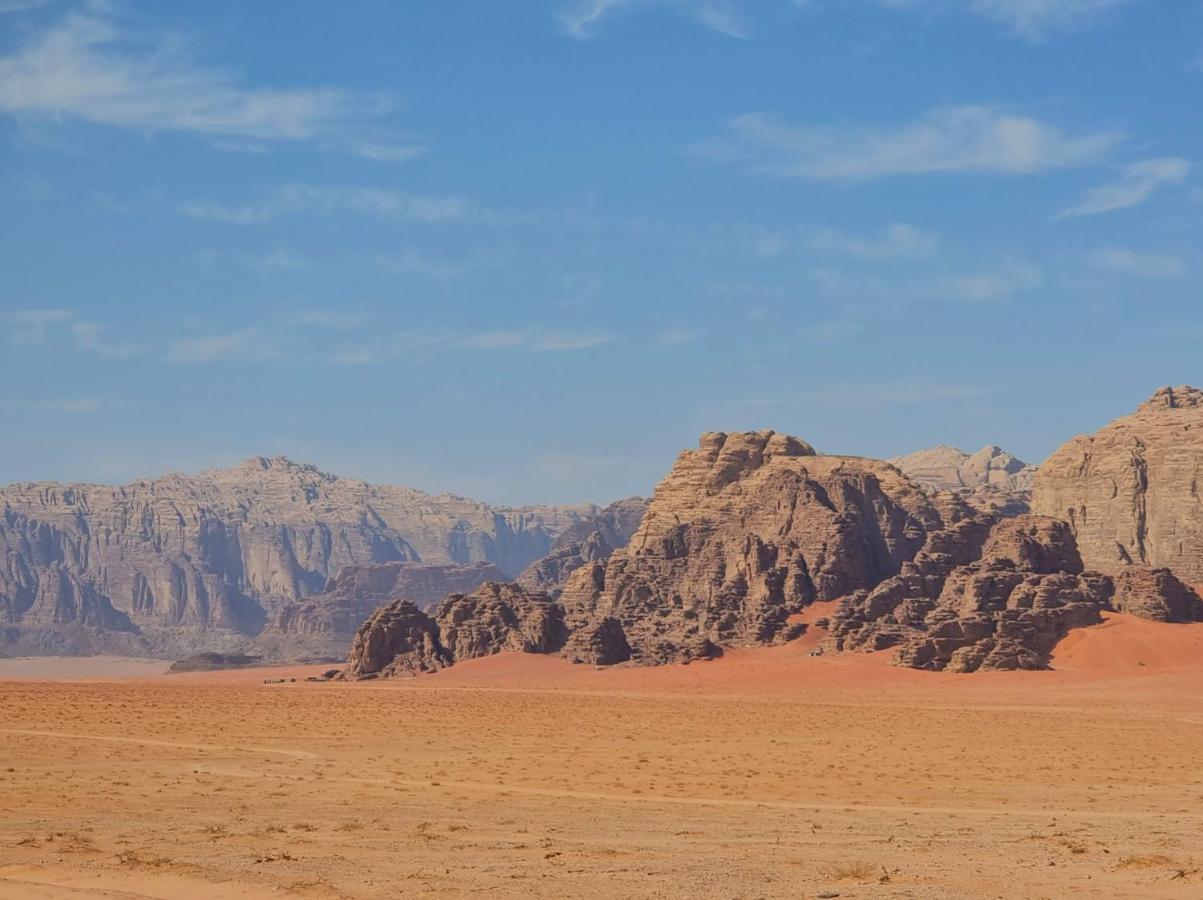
[(850, 870)]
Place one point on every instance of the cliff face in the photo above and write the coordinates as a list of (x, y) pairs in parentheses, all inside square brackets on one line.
[(1131, 491), (744, 531), (188, 563)]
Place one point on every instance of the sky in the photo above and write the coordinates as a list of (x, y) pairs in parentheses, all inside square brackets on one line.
[(528, 251)]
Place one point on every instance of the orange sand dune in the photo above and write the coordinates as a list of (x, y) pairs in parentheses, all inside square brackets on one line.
[(1129, 644)]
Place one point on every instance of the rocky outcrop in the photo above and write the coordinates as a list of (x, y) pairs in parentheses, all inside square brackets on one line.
[(592, 539), (397, 640), (322, 627), (400, 640), (991, 480), (981, 596), (189, 563), (744, 532), (1156, 594), (497, 618), (1131, 491)]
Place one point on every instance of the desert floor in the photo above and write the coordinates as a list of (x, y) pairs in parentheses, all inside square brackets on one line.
[(768, 773)]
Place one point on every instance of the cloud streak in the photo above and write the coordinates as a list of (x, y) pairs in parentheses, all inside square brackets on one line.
[(960, 139), (1135, 184), (88, 68), (291, 199), (583, 20)]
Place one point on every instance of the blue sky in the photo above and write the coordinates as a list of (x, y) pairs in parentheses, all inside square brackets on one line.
[(528, 250)]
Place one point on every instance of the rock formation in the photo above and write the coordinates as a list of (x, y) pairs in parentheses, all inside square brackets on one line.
[(980, 596), (991, 480), (185, 563), (1131, 491), (592, 539), (397, 640), (744, 532), (401, 640), (321, 627), (1156, 594)]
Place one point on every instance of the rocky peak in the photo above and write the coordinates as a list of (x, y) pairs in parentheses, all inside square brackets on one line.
[(1181, 397), (1130, 491)]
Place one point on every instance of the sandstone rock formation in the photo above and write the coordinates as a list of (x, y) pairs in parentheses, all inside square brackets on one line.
[(744, 532), (397, 640), (590, 540), (1156, 594), (1131, 491), (322, 627), (186, 563), (980, 596), (991, 480), (400, 640)]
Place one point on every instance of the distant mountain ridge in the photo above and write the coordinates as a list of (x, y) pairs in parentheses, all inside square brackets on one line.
[(187, 563), (990, 479)]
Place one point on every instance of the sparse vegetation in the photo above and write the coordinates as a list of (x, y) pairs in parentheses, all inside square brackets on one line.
[(851, 870)]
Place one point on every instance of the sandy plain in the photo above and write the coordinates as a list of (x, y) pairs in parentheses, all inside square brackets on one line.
[(768, 773)]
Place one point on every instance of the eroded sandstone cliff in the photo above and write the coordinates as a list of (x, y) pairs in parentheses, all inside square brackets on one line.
[(1131, 491)]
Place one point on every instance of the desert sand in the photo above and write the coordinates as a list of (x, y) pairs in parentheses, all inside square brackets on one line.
[(768, 773)]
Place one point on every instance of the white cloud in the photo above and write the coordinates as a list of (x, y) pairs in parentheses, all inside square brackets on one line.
[(88, 67), (1136, 183), (998, 284), (899, 241), (329, 318), (389, 152), (247, 344), (29, 326), (403, 344), (34, 326), (297, 198), (1035, 18), (1137, 265), (950, 139), (1003, 280), (410, 262), (585, 17), (74, 406), (676, 337)]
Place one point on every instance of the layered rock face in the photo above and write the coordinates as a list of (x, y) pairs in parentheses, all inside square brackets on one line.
[(397, 640), (982, 595), (992, 480), (400, 640), (590, 540), (323, 626), (745, 531), (1156, 594), (184, 564), (1131, 491)]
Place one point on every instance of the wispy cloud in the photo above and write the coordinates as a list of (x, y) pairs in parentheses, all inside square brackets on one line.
[(1135, 184), (1035, 19), (30, 326), (409, 343), (1138, 265), (583, 19), (980, 139), (287, 199), (90, 68), (676, 337), (329, 318), (247, 344), (36, 326), (996, 283), (899, 241), (411, 262)]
